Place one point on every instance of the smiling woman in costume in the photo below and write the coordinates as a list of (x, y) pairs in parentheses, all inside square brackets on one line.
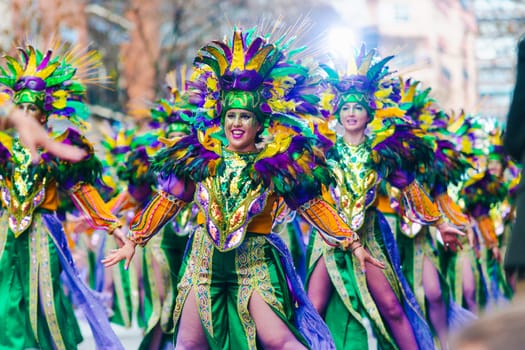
[(238, 288)]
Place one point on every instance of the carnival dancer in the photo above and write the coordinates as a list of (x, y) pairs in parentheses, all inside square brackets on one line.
[(124, 171), (418, 244), (163, 255), (347, 294), (33, 246), (238, 288), (482, 193)]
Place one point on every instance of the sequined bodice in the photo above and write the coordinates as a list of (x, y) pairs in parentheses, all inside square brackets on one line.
[(231, 199), (23, 189), (233, 185), (356, 181)]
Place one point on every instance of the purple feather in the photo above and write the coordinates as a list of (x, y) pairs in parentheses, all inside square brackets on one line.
[(25, 56), (45, 60), (254, 47)]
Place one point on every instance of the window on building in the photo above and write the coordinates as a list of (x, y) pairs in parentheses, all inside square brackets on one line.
[(445, 73), (401, 13)]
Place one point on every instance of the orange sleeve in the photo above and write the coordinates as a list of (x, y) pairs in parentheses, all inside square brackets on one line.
[(87, 199), (327, 220), (149, 221), (451, 210), (487, 230), (418, 206)]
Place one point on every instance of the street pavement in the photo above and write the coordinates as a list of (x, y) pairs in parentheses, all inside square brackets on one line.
[(130, 337)]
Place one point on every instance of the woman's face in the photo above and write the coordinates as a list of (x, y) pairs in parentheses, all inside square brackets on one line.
[(494, 167), (176, 134), (354, 117), (241, 128), (33, 111)]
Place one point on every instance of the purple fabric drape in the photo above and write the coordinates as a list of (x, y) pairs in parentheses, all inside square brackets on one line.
[(86, 299)]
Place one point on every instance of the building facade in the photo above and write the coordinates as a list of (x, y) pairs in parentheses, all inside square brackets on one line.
[(434, 42), (500, 25)]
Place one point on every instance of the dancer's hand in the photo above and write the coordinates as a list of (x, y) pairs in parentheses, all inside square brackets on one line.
[(450, 236), (119, 236), (362, 255), (125, 252), (33, 136)]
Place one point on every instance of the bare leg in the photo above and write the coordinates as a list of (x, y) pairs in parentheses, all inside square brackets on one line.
[(156, 337), (191, 334), (469, 286), (272, 332), (320, 287), (390, 308), (436, 307)]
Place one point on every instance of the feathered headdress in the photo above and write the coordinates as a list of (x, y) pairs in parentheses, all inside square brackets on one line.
[(120, 143), (495, 138), (251, 73), (365, 81), (55, 83), (173, 114), (466, 134), (254, 74)]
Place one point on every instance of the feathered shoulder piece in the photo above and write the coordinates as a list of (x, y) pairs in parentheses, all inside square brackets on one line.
[(450, 164), (87, 170), (293, 168), (483, 189), (400, 149), (193, 157)]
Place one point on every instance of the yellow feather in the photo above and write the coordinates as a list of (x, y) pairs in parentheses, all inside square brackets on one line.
[(351, 67), (409, 96), (238, 59), (365, 64), (6, 140), (257, 61), (18, 68), (457, 123), (223, 64), (31, 64), (166, 107), (46, 72)]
